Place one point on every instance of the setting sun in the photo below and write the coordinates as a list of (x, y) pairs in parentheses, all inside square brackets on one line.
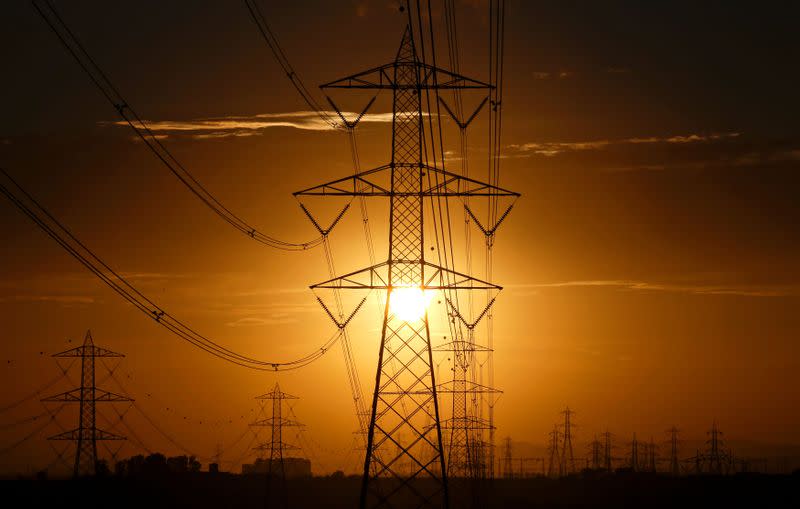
[(409, 303)]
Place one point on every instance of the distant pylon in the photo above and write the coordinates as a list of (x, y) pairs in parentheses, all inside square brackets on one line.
[(595, 454), (674, 462), (607, 450), (651, 456), (554, 466), (567, 457), (276, 446), (634, 460), (87, 434), (715, 460), (507, 459)]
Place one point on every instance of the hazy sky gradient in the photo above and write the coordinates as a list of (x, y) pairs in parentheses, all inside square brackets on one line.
[(650, 267)]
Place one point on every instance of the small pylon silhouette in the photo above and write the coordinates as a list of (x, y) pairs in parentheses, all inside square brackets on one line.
[(554, 466), (607, 459), (276, 470), (674, 462), (567, 457)]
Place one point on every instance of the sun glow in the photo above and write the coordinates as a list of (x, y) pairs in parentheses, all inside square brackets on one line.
[(409, 303)]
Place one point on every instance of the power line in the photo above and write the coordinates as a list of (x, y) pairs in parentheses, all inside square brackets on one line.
[(59, 233), (37, 392), (95, 73), (280, 56)]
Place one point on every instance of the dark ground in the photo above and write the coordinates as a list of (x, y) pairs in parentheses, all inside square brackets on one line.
[(202, 490)]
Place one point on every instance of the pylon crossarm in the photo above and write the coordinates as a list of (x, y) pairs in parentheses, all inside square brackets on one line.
[(469, 387), (88, 351), (368, 278), (70, 396), (107, 396), (376, 277), (383, 77), (462, 186), (277, 421), (453, 346), (349, 186), (471, 423), (86, 433), (463, 281), (367, 183)]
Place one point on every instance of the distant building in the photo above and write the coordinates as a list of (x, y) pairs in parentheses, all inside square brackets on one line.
[(293, 468)]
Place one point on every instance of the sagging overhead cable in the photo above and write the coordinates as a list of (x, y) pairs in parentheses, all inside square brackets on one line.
[(29, 206), (49, 14), (280, 56)]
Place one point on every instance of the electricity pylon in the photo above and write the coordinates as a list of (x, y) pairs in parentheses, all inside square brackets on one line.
[(276, 446), (507, 459), (715, 460), (276, 471), (607, 459), (405, 392), (651, 456), (567, 457), (674, 462), (87, 434), (554, 466), (634, 460), (595, 453)]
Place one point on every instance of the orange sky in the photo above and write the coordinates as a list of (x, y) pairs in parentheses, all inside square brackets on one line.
[(650, 268)]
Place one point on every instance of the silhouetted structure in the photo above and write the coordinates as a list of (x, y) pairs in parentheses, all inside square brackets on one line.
[(274, 466), (554, 465), (507, 459), (87, 434), (595, 454), (567, 465), (674, 462), (715, 460), (651, 456), (633, 460), (405, 392), (607, 459)]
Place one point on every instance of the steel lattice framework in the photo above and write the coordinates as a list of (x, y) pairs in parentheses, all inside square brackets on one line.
[(276, 446), (405, 462), (87, 434), (276, 472)]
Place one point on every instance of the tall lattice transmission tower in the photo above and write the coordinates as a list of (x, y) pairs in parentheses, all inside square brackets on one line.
[(405, 425), (86, 435), (567, 457)]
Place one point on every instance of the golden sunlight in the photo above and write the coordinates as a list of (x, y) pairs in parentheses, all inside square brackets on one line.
[(409, 303)]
